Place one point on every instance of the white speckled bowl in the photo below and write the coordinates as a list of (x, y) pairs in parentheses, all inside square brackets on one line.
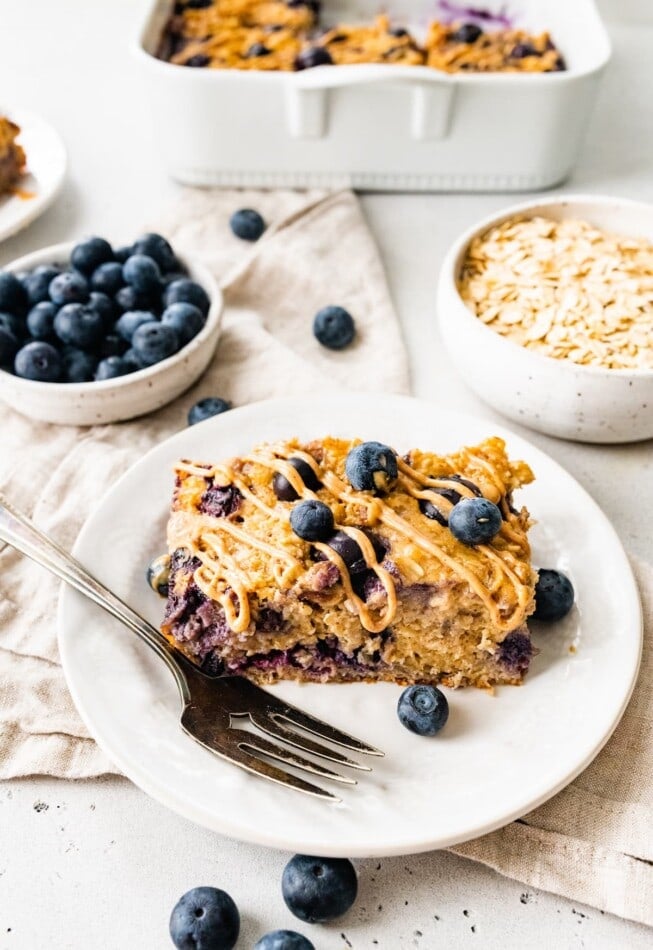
[(113, 400), (558, 397)]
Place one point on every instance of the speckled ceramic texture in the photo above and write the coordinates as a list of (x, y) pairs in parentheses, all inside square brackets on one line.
[(558, 397), (113, 400)]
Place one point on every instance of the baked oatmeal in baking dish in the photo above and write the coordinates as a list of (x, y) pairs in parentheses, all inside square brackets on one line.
[(341, 561), (12, 156)]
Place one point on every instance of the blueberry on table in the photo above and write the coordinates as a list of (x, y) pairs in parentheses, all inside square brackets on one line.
[(13, 296), (334, 327), (423, 710), (283, 940), (371, 466), (40, 320), (312, 520), (69, 287), (158, 574), (156, 247), (318, 889), (205, 918), (79, 326), (79, 366), (185, 319), (89, 254), (475, 521), (8, 347), (107, 278), (467, 33), (38, 361), (313, 56), (111, 367), (37, 283), (187, 291), (131, 320), (142, 273), (247, 224), (282, 487), (554, 595), (206, 408), (153, 342)]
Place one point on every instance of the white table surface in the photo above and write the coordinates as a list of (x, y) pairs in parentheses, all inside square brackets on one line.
[(98, 865)]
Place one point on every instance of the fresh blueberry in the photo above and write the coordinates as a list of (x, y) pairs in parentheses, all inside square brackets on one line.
[(38, 361), (107, 278), (257, 49), (156, 247), (153, 342), (205, 408), (103, 305), (40, 320), (313, 56), (467, 33), (283, 940), (198, 61), (13, 296), (475, 520), (122, 253), (133, 360), (318, 889), (129, 322), (205, 918), (371, 466), (15, 325), (128, 299), (432, 512), (8, 347), (168, 279), (423, 709), (187, 291), (312, 520), (69, 287), (158, 574), (112, 345), (334, 327), (351, 553), (185, 319), (89, 254), (554, 595), (247, 224), (111, 367), (78, 325), (37, 283), (142, 273), (79, 366), (522, 50), (282, 487)]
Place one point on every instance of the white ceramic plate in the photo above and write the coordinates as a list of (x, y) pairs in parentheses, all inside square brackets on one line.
[(46, 170), (499, 756)]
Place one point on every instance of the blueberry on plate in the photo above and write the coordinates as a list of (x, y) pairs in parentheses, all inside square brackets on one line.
[(38, 361), (142, 273), (111, 367), (37, 283), (371, 466), (312, 520), (127, 298), (467, 33), (282, 487), (205, 408), (283, 940), (8, 347), (131, 320), (40, 320), (313, 56), (187, 291), (153, 342), (79, 325), (89, 254), (205, 918), (156, 247), (79, 366), (554, 595), (13, 296), (107, 278), (423, 709), (247, 224), (103, 305), (350, 552), (69, 287), (158, 574), (185, 319), (318, 889), (334, 327), (475, 520)]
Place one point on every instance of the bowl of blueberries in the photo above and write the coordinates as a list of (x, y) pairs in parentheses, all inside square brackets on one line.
[(92, 334)]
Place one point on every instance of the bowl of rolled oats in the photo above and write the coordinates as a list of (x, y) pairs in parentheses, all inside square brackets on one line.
[(547, 312)]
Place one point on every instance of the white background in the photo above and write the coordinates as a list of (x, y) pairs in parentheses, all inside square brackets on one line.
[(96, 864)]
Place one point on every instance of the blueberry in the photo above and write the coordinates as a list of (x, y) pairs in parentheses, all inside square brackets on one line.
[(133, 360), (256, 49), (122, 253), (79, 366), (40, 320), (104, 306), (475, 520), (37, 283), (153, 342), (156, 247), (205, 919), (8, 347), (79, 326), (312, 520), (398, 31), (69, 287), (142, 273), (432, 512), (318, 889), (198, 61), (423, 709), (13, 296), (205, 408), (158, 574), (129, 322), (112, 345), (554, 595), (185, 319), (174, 275), (371, 466), (38, 361), (247, 224), (187, 291), (334, 327), (467, 33), (283, 940), (107, 278), (282, 487), (351, 553), (128, 298), (522, 50), (111, 367), (89, 254), (313, 56), (15, 325)]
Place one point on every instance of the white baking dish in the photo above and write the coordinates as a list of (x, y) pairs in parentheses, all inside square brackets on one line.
[(383, 127)]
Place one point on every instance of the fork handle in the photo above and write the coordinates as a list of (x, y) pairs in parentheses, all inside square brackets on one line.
[(18, 531)]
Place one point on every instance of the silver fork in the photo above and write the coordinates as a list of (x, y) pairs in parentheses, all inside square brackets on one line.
[(209, 703)]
